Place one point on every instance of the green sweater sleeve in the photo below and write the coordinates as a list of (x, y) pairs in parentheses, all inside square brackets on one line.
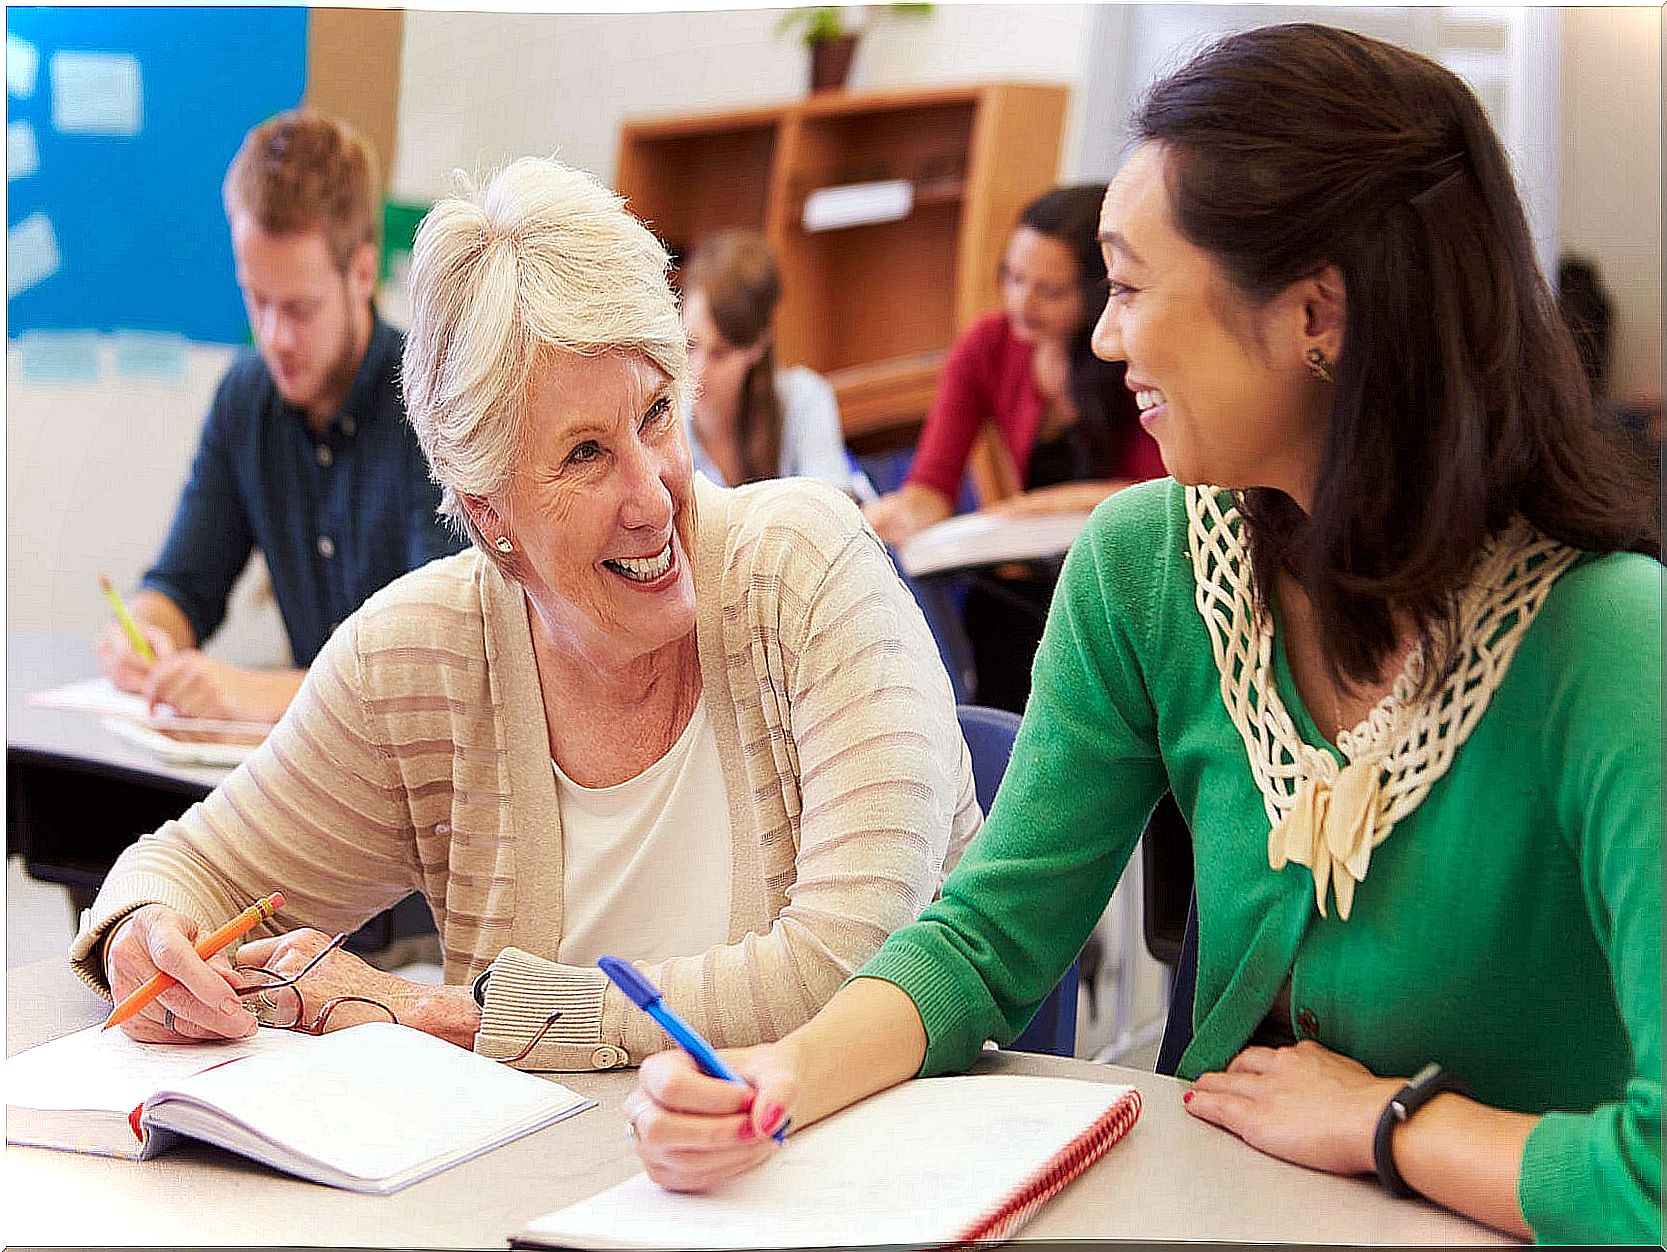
[(1594, 1176), (1084, 775)]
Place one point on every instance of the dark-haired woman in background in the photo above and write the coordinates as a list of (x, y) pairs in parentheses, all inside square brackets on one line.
[(1395, 649), (749, 420), (1067, 422)]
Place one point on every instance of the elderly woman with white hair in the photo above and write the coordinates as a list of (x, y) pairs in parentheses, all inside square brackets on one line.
[(701, 728)]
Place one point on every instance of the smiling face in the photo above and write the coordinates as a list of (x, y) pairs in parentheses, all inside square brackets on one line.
[(597, 507), (1222, 385), (1039, 287), (310, 320)]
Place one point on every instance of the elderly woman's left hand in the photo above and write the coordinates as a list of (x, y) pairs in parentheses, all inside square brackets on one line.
[(1304, 1104), (448, 1012)]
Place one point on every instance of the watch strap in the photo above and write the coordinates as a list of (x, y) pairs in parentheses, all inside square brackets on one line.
[(1428, 1083)]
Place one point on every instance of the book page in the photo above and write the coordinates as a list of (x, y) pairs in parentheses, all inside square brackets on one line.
[(99, 1070), (915, 1164), (372, 1107)]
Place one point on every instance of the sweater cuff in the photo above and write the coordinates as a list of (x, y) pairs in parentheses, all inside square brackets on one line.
[(941, 999), (520, 996), (86, 950)]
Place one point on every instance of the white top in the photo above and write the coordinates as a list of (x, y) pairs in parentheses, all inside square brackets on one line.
[(812, 440), (646, 862)]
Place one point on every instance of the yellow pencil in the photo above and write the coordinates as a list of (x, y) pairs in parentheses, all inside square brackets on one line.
[(141, 645)]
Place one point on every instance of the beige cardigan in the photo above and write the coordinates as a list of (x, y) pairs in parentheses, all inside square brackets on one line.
[(415, 758)]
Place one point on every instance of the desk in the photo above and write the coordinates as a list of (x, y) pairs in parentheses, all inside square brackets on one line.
[(1174, 1177), (76, 794)]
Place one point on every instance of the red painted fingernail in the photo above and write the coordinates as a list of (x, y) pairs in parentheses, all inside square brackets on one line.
[(747, 1133), (1186, 1097), (772, 1118)]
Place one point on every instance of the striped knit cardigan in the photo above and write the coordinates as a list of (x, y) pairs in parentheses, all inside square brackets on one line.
[(415, 758)]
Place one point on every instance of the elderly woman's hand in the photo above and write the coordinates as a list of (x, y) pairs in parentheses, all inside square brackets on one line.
[(693, 1132), (1304, 1104), (200, 1006), (448, 1012)]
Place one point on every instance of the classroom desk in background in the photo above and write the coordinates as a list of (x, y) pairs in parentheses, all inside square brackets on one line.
[(1173, 1179), (76, 795)]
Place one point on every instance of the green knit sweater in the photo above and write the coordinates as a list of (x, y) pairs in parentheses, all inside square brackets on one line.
[(1510, 927)]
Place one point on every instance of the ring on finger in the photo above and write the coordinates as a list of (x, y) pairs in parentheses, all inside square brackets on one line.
[(169, 1022)]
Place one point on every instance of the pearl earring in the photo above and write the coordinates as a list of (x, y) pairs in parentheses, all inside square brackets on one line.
[(1319, 365), (503, 544)]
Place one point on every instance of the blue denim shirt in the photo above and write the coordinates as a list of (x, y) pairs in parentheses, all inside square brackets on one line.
[(337, 516)]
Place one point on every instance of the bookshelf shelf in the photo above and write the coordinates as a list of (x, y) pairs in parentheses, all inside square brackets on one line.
[(873, 306)]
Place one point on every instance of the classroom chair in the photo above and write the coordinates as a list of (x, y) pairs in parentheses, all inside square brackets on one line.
[(989, 734), (1177, 1027)]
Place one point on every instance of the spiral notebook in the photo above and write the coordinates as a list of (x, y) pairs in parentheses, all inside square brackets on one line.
[(938, 1162)]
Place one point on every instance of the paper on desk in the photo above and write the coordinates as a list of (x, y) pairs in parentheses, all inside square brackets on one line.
[(180, 751), (91, 695), (31, 253), (96, 93), (982, 539), (22, 64), (23, 157)]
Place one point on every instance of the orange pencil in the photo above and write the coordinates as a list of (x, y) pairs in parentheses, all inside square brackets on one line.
[(232, 931)]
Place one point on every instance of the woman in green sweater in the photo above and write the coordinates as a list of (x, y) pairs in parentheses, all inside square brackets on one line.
[(1400, 665)]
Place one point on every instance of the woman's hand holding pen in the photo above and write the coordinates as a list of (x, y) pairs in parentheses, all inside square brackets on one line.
[(201, 1006), (692, 1131)]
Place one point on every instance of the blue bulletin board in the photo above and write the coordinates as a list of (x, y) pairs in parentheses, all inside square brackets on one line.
[(120, 125)]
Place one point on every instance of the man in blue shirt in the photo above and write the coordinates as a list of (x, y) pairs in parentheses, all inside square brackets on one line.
[(306, 453)]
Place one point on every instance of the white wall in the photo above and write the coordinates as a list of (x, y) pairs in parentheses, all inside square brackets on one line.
[(93, 471), (1610, 203), (480, 89)]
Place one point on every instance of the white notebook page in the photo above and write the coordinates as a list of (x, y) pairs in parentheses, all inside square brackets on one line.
[(915, 1164)]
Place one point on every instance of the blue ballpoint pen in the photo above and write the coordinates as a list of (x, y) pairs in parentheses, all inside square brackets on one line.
[(646, 996)]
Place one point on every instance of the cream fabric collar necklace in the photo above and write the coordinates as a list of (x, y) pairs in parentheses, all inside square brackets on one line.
[(1323, 815)]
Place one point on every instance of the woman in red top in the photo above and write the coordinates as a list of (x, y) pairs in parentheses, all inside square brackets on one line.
[(1066, 418)]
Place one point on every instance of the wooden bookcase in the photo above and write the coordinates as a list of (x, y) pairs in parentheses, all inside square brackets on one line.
[(875, 306)]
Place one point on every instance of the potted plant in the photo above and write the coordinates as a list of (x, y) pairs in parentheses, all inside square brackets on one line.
[(831, 35)]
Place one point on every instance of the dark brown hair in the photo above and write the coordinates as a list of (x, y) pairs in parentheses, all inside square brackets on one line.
[(301, 171), (1459, 399), (1106, 413), (737, 272)]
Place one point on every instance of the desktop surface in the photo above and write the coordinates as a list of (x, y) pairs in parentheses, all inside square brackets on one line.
[(1173, 1178)]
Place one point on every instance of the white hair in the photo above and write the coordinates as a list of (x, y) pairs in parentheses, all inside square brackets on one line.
[(542, 257)]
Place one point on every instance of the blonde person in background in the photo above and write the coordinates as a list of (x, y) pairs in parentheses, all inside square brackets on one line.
[(1395, 649), (306, 453), (749, 420), (700, 728)]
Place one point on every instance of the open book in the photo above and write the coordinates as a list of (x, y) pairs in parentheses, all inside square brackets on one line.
[(979, 539), (930, 1163), (371, 1108)]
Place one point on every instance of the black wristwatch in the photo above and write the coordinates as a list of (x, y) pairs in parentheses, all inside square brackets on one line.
[(479, 989), (1426, 1084)]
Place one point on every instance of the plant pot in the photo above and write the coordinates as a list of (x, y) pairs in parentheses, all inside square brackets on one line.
[(830, 62)]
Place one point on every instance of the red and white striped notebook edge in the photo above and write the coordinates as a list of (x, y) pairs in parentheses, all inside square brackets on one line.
[(1013, 1211)]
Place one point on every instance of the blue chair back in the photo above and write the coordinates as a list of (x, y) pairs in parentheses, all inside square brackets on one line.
[(989, 734), (1177, 1027)]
